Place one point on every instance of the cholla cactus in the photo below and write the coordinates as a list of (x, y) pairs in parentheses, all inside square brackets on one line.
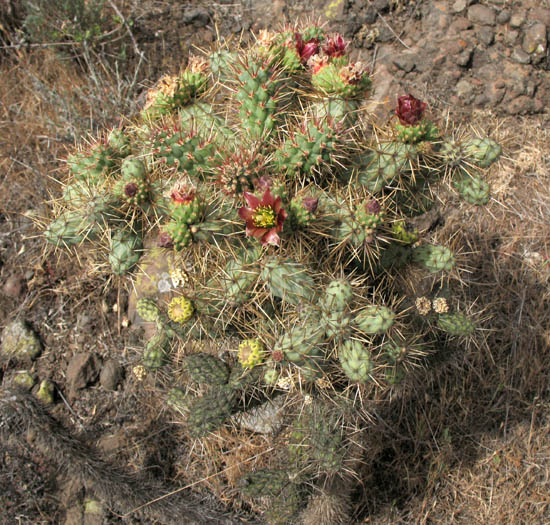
[(290, 215)]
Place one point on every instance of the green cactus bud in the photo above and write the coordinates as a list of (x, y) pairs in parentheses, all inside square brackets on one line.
[(456, 324), (205, 368), (482, 152), (125, 251), (148, 310), (338, 296), (423, 131), (345, 81), (473, 189), (356, 361), (434, 258), (374, 319)]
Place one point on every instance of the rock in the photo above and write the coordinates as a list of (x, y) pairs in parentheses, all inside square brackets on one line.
[(264, 419), (20, 342), (535, 42), (520, 56), (465, 91), (481, 14), (83, 369), (379, 102), (111, 374), (511, 37), (14, 285), (45, 392), (486, 35), (459, 24), (381, 5), (495, 92), (540, 14), (503, 17), (517, 19), (459, 6), (405, 61), (522, 105), (199, 17), (24, 379)]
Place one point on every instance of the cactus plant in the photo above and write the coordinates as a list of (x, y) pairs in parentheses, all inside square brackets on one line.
[(290, 217)]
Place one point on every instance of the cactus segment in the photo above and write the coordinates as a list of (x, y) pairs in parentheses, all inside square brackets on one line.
[(288, 280), (264, 483), (384, 165), (71, 227), (155, 352), (434, 258), (374, 319), (355, 360), (473, 189), (298, 343), (205, 368), (482, 152), (456, 324), (337, 297), (148, 310), (207, 413), (125, 252)]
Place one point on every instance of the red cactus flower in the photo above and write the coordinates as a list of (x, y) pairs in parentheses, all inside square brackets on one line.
[(410, 110), (264, 218), (182, 193), (335, 46), (306, 49), (316, 63)]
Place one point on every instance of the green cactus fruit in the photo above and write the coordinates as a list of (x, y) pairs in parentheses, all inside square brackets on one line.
[(125, 252), (423, 131), (456, 324), (119, 142), (369, 214), (156, 351), (337, 325), (257, 94), (176, 235), (335, 80), (71, 227), (307, 149), (251, 353), (482, 152), (434, 258), (298, 343), (301, 212), (206, 368), (264, 483), (148, 310), (177, 400), (288, 280), (386, 164), (207, 413), (338, 296), (473, 189), (187, 151), (186, 208), (374, 319), (356, 361)]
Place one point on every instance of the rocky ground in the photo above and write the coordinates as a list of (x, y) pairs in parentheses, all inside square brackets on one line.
[(486, 61)]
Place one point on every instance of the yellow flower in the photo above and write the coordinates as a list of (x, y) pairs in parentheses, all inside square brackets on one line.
[(180, 309), (251, 353)]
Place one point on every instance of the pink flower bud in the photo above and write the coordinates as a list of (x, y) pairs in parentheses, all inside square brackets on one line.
[(410, 110), (131, 189), (165, 240)]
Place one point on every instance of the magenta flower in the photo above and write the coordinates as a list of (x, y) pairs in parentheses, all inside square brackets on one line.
[(335, 46), (410, 110), (264, 218), (306, 49)]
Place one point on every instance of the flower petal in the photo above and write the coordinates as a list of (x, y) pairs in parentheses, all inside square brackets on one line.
[(271, 237), (245, 213), (252, 200)]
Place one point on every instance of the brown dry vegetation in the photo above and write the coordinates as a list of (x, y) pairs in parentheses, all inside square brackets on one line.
[(467, 444)]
